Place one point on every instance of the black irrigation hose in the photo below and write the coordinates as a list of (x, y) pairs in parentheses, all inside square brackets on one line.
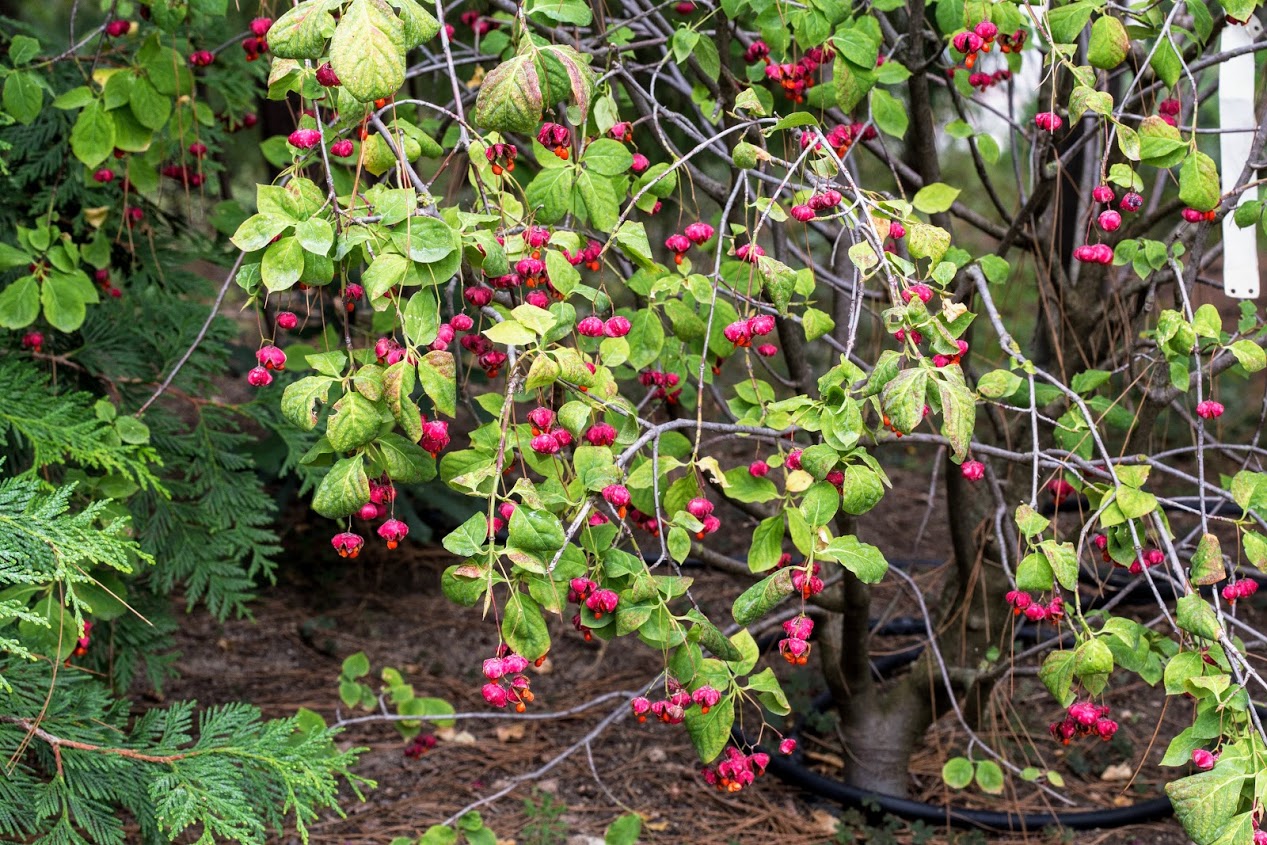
[(874, 804)]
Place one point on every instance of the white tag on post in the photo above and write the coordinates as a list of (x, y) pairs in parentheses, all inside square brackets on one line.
[(1236, 120)]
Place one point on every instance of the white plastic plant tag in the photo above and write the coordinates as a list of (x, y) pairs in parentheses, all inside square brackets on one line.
[(1236, 112)]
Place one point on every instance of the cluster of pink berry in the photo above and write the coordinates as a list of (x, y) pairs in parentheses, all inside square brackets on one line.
[(986, 81), (702, 509), (270, 359), (501, 157), (666, 384), (257, 46), (672, 709), (1060, 490), (679, 243), (1241, 589), (102, 278), (1209, 409), (555, 137), (435, 435), (508, 668), (548, 440), (1168, 110), (795, 646), (1048, 121), (118, 27), (1035, 611), (741, 332), (617, 495), (972, 470), (478, 24), (490, 360), (599, 601), (593, 326), (840, 137), (1094, 253), (1205, 760), (81, 644), (392, 531), (970, 43), (587, 256), (33, 341), (825, 201), (183, 174), (1083, 718), (737, 770), (420, 745), (793, 78), (1191, 215), (201, 58)]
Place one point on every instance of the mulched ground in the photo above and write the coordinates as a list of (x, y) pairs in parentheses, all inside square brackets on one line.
[(324, 609)]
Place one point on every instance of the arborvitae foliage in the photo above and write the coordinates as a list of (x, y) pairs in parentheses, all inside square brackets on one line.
[(110, 504), (74, 759)]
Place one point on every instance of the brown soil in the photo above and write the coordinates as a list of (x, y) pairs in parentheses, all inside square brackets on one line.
[(391, 608)]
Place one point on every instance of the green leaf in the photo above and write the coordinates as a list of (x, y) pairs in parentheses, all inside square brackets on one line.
[(535, 531), (1249, 355), (22, 49), (958, 409), (20, 303), (1068, 21), (256, 231), (710, 731), (820, 503), (925, 241), (315, 235), (282, 265), (903, 398), (92, 136), (438, 374), (767, 544), (368, 50), (761, 597), (1109, 43), (404, 461), (1034, 574), (889, 113), (523, 626), (344, 490), (999, 383), (626, 829), (1166, 62), (1194, 615), (600, 200), (990, 777), (419, 24), (957, 772), (23, 96), (1206, 803), (301, 32), (935, 198), (422, 318), (65, 302), (353, 422), (1207, 562), (1056, 673), (1063, 560), (863, 490), (862, 559), (996, 269), (150, 108), (1199, 182), (510, 97), (607, 157), (851, 82), (302, 400), (770, 691)]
